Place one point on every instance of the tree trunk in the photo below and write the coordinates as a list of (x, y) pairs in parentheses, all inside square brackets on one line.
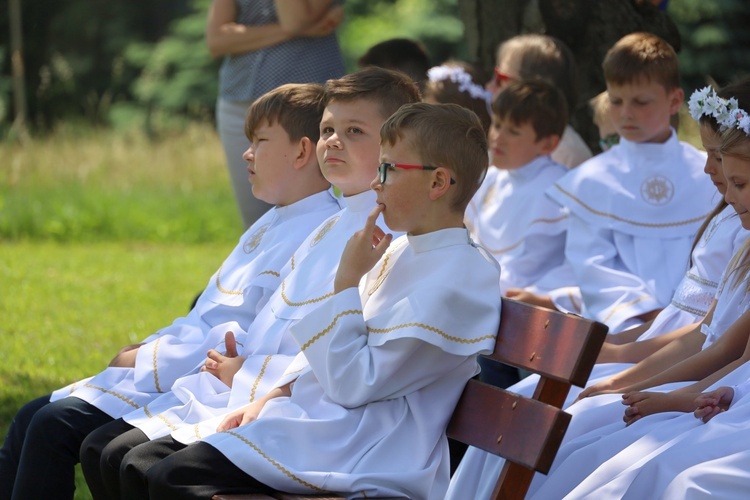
[(19, 90)]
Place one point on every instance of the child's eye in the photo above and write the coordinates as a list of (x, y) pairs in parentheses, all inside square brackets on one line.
[(354, 130), (326, 130)]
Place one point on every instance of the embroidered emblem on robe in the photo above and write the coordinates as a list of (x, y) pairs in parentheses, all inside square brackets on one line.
[(323, 231), (254, 239), (657, 190)]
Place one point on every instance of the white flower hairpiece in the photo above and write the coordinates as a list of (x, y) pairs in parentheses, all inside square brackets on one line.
[(728, 114), (459, 76)]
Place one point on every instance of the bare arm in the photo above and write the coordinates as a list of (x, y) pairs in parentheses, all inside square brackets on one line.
[(722, 356), (635, 352), (224, 36), (295, 16), (629, 335)]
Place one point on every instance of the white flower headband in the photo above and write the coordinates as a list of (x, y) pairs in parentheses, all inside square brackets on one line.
[(459, 76), (728, 114)]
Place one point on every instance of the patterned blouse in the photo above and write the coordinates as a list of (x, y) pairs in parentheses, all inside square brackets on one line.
[(244, 77)]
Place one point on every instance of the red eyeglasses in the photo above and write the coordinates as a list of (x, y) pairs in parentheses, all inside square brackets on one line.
[(501, 78), (384, 167)]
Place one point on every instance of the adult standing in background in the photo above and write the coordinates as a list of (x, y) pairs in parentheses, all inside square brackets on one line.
[(266, 43)]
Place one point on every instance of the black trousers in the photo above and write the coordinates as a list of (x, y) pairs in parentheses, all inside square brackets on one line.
[(101, 454), (42, 447), (165, 469)]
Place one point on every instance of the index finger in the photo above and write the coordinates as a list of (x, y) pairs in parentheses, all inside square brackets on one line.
[(372, 218)]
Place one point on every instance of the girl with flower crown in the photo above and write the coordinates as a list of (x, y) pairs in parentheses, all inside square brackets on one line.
[(718, 239), (643, 458)]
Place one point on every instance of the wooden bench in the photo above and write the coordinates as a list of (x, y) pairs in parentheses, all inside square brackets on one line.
[(527, 432)]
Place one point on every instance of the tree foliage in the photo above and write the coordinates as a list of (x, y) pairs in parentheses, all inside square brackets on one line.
[(89, 59)]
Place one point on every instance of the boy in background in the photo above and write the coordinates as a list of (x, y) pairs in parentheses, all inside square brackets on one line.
[(636, 208), (386, 363), (44, 438)]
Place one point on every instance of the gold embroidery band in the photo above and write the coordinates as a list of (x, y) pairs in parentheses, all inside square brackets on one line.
[(431, 329), (276, 464), (329, 327), (221, 288), (623, 306), (628, 221), (197, 431), (381, 277), (272, 273), (260, 376), (156, 371), (515, 245), (160, 417), (297, 304), (573, 302), (115, 394)]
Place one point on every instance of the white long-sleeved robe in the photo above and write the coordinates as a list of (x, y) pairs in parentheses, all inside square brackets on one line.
[(240, 287), (387, 364), (634, 211), (520, 226), (268, 347)]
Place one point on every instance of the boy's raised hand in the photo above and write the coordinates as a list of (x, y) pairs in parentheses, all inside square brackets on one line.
[(363, 250), (224, 366)]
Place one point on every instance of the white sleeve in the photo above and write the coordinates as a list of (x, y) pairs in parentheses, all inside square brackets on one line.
[(334, 339), (611, 294)]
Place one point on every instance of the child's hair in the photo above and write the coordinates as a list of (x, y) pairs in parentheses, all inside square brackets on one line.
[(389, 89), (533, 101), (545, 57), (297, 107), (459, 82), (642, 55), (443, 135), (740, 91), (600, 109), (735, 142), (400, 54)]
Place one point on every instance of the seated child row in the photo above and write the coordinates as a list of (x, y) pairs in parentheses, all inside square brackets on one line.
[(364, 363), (701, 335)]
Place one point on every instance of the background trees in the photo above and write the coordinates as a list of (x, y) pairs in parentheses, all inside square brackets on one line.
[(121, 62)]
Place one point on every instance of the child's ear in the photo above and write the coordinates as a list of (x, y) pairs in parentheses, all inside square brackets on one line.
[(676, 97), (441, 182), (549, 144), (305, 150)]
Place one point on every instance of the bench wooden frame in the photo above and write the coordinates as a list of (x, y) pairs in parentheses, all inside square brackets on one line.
[(562, 349)]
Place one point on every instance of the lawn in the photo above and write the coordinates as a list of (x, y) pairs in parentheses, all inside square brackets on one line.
[(104, 238)]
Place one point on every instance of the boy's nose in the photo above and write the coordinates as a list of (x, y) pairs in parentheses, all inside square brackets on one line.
[(375, 185), (333, 141)]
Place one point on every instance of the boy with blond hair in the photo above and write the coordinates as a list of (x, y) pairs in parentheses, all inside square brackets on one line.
[(45, 437), (385, 364), (356, 106)]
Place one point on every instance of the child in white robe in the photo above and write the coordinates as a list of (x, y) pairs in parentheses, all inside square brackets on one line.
[(720, 237), (286, 119), (667, 443), (531, 56), (356, 107), (520, 226), (636, 208), (386, 362)]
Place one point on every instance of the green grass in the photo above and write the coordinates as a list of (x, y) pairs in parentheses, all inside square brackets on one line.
[(104, 238)]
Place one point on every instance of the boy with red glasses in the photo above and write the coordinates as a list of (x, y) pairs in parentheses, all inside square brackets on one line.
[(531, 56)]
